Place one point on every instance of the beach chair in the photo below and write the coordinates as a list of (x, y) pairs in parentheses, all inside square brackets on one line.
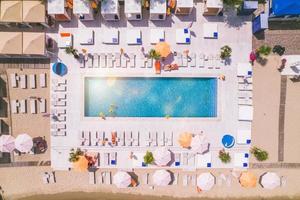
[(134, 37), (183, 36), (178, 59), (122, 139), (154, 138), (103, 60), (117, 59), (110, 62), (193, 180), (177, 159), (192, 60), (113, 158), (52, 178), (176, 177), (43, 106), (14, 106), (200, 60), (132, 60), (106, 159), (145, 178), (191, 160), (59, 96), (128, 138), (92, 178), (58, 103), (149, 63), (169, 138), (136, 138), (33, 106), (94, 138), (58, 126), (45, 178), (184, 157), (161, 139), (43, 81), (96, 63), (107, 178), (32, 81), (185, 180), (124, 61), (23, 106), (23, 81), (13, 80)]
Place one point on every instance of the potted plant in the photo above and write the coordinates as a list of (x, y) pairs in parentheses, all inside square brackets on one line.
[(278, 49), (260, 155), (71, 50), (225, 52), (74, 155), (233, 3), (156, 56), (263, 50), (224, 156), (148, 158)]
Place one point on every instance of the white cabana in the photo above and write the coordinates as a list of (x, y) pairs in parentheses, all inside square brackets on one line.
[(133, 9), (57, 10), (83, 10), (122, 179), (205, 181), (7, 143), (162, 156), (110, 10), (270, 180), (184, 7), (24, 143), (158, 9), (245, 113), (199, 144), (212, 7), (161, 177)]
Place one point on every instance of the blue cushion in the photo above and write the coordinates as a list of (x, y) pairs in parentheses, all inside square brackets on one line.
[(114, 40), (113, 162), (246, 155), (161, 39), (208, 164), (187, 40), (248, 141), (215, 34), (245, 165), (143, 164), (185, 30), (177, 163), (138, 40), (250, 73)]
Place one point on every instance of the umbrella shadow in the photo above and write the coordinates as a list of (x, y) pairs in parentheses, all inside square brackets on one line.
[(135, 177)]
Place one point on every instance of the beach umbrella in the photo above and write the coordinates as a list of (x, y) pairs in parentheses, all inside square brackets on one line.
[(59, 68), (122, 179), (205, 181), (162, 156), (81, 165), (185, 140), (163, 48), (199, 144), (161, 177), (7, 143), (24, 143), (228, 141), (270, 180), (247, 179)]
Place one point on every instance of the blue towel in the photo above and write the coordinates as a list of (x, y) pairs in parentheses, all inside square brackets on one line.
[(208, 164), (245, 164), (113, 162), (215, 34), (248, 141), (161, 39), (246, 155), (138, 40), (185, 30), (187, 40), (143, 164), (249, 73), (177, 163)]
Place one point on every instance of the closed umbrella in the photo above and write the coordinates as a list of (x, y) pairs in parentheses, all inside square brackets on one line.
[(270, 180), (7, 143), (163, 48), (205, 181), (81, 165), (23, 143), (185, 140), (199, 144), (161, 177), (248, 179), (162, 156), (122, 179)]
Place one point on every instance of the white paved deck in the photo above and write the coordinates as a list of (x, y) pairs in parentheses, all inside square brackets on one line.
[(237, 37)]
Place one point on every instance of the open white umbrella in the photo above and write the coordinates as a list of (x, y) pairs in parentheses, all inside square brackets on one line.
[(23, 143), (162, 156), (122, 179), (205, 181), (161, 177), (270, 180), (7, 143), (199, 144)]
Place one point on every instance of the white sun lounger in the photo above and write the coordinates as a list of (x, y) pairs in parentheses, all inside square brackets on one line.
[(245, 87), (92, 178), (245, 94), (161, 139), (94, 138), (96, 60), (169, 138), (184, 61), (241, 160), (60, 96), (58, 103), (117, 59), (59, 82), (191, 160), (61, 118), (107, 178), (43, 82), (13, 80), (245, 113), (128, 138), (110, 62), (210, 62), (147, 140), (200, 60), (145, 178), (134, 37), (192, 61), (33, 106), (178, 59), (110, 36), (183, 36), (58, 126), (141, 61), (154, 138), (136, 138), (23, 81), (122, 138), (60, 88), (45, 178), (245, 101), (124, 61), (203, 160), (176, 177), (157, 35), (177, 162), (32, 81), (89, 61), (113, 158), (185, 180), (106, 159), (132, 60), (83, 138), (14, 106), (243, 137), (103, 60), (43, 106), (150, 63), (23, 106), (58, 111), (184, 159)]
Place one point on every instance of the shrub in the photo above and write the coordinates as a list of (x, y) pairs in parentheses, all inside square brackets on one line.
[(224, 156), (74, 155), (154, 54), (260, 155), (264, 50), (225, 52), (233, 2), (148, 158), (262, 1), (278, 49)]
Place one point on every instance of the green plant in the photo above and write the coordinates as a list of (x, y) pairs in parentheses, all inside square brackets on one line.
[(233, 3), (71, 50), (278, 49), (225, 52), (262, 1), (260, 155), (264, 50), (148, 158), (74, 155), (154, 54), (224, 156)]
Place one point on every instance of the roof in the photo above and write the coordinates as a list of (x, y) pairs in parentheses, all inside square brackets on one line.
[(33, 11), (214, 4), (56, 7), (185, 3), (284, 7), (11, 43), (33, 43), (11, 11), (158, 6), (133, 6), (109, 7), (81, 7)]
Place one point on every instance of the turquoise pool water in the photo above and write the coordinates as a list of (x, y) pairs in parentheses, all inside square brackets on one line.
[(150, 97)]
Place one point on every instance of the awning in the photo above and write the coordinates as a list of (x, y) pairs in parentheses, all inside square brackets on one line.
[(11, 11), (33, 43), (270, 180), (33, 11), (11, 43), (285, 7)]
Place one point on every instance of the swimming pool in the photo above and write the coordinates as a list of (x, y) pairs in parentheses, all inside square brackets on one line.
[(150, 97)]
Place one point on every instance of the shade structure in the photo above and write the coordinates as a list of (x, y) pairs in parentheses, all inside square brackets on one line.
[(24, 143), (33, 11), (162, 156), (199, 144), (59, 68), (34, 43), (11, 43), (11, 11), (205, 181), (248, 179), (122, 179), (81, 165), (7, 143), (270, 180), (228, 141), (163, 48), (185, 140), (161, 177)]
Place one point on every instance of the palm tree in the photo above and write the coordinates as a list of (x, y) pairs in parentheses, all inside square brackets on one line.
[(74, 155), (148, 158)]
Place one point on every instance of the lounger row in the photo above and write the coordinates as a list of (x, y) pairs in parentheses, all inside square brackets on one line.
[(106, 159), (20, 106), (22, 80), (125, 138), (199, 60)]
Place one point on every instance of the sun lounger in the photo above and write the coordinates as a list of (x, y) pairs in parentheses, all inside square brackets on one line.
[(107, 178), (161, 139), (124, 61), (59, 82), (241, 160), (32, 81), (145, 178), (59, 96), (157, 35), (43, 82), (113, 158), (58, 111), (183, 36), (101, 178), (177, 159), (245, 94), (154, 138), (58, 126), (184, 61), (184, 157), (60, 88), (96, 60), (134, 37), (58, 103), (52, 178), (210, 30), (191, 160), (110, 62), (217, 62), (128, 138), (33, 106), (94, 138), (200, 60), (176, 177), (23, 81), (136, 138), (244, 101), (243, 137), (209, 62), (45, 178), (149, 63), (98, 163), (193, 180), (122, 138), (13, 80), (185, 180), (147, 140), (169, 138), (131, 60), (192, 61), (23, 106), (61, 118), (178, 59), (110, 36), (14, 106), (245, 87), (117, 59), (245, 113), (106, 159), (92, 178), (89, 61), (42, 105), (85, 138), (103, 60), (204, 160)]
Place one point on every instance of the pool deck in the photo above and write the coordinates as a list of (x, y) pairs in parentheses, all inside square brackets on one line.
[(236, 34)]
